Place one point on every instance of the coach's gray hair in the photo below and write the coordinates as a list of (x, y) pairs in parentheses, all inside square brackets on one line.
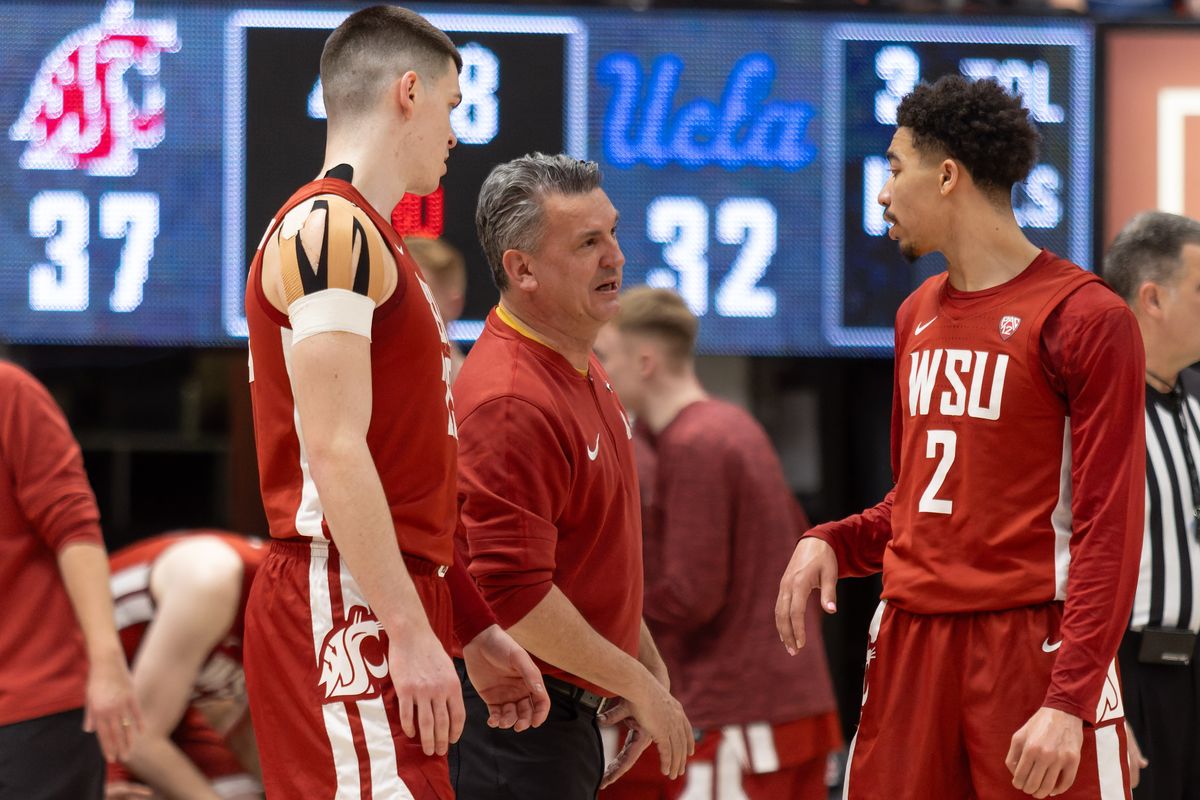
[(1148, 248), (509, 215)]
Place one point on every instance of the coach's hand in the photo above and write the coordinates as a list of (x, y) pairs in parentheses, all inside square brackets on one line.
[(505, 677), (636, 742), (813, 566), (427, 690), (1137, 759), (661, 717), (112, 710), (1044, 755)]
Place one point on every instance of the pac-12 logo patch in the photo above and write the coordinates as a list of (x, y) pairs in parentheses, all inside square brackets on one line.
[(1008, 326), (347, 667)]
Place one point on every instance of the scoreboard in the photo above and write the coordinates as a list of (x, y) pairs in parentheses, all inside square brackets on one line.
[(149, 146)]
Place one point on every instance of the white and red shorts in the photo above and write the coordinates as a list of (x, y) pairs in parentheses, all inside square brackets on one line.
[(324, 710), (943, 696), (758, 761)]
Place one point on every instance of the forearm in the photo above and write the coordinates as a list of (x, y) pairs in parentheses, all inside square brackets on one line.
[(362, 529), (859, 541), (650, 658), (557, 633), (84, 569), (158, 763)]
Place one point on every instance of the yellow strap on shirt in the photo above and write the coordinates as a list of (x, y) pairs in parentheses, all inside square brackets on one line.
[(520, 327)]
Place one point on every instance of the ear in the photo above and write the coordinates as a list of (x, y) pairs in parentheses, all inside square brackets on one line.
[(950, 172), (1149, 299), (519, 269), (404, 93), (646, 359)]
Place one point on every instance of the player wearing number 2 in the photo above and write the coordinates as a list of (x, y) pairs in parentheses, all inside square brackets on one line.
[(1009, 544), (351, 690)]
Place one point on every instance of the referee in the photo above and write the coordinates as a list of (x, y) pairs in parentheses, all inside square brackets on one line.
[(1154, 263)]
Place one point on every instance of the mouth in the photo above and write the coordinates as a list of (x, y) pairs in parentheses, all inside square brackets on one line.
[(610, 287)]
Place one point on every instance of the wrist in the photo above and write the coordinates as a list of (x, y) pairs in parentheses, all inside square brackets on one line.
[(105, 650)]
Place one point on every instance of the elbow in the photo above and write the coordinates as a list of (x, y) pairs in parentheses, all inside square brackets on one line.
[(332, 455)]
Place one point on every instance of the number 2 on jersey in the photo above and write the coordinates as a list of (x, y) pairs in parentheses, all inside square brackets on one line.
[(948, 442)]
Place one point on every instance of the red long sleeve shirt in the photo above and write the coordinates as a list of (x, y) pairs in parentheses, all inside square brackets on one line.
[(1090, 360), (721, 520), (46, 504), (549, 487)]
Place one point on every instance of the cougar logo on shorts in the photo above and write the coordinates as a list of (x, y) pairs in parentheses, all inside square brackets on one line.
[(345, 670), (80, 113)]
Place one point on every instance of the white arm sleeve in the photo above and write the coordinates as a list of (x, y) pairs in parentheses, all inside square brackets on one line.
[(331, 310)]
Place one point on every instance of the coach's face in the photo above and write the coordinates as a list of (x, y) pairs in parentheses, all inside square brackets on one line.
[(910, 196), (577, 265)]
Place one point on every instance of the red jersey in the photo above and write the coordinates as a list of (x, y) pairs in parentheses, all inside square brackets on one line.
[(46, 504), (412, 433), (1018, 450), (720, 517), (549, 486), (135, 607)]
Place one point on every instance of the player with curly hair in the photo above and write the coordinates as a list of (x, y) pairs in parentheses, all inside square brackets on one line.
[(1009, 544)]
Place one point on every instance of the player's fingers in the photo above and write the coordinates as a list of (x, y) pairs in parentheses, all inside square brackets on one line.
[(828, 588), (1066, 778), (1049, 779), (783, 625), (1021, 772), (441, 727), (89, 722), (616, 714), (796, 616), (1015, 746), (406, 715), (508, 715), (458, 714), (426, 726), (524, 709)]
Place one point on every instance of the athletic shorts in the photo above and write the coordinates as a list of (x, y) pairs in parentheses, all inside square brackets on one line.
[(205, 748), (943, 696), (324, 709), (759, 761)]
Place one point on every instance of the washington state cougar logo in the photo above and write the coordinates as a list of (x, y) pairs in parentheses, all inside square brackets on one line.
[(81, 113), (345, 670)]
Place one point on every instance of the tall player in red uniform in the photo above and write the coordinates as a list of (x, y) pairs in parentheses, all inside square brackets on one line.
[(351, 690), (1009, 545)]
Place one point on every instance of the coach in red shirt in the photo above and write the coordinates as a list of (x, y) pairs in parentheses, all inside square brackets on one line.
[(551, 517), (62, 672)]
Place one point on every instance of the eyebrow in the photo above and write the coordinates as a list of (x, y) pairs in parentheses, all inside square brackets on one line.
[(891, 156)]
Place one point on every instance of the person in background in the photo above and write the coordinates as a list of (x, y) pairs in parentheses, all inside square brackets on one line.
[(1154, 264), (718, 517), (66, 699), (445, 271), (181, 608)]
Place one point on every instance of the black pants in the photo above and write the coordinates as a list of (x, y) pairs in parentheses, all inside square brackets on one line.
[(50, 758), (561, 760), (1162, 703)]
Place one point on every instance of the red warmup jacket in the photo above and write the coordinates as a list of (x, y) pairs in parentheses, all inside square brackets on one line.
[(46, 504)]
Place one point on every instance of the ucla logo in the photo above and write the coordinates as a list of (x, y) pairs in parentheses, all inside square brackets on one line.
[(743, 128)]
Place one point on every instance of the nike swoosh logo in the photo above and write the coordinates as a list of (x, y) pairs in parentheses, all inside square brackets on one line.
[(593, 452), (923, 326), (1050, 648)]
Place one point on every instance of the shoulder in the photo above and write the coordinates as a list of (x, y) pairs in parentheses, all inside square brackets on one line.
[(1094, 308), (200, 565)]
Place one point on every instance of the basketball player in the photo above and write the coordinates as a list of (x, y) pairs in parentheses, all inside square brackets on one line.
[(180, 601), (350, 686), (1009, 545)]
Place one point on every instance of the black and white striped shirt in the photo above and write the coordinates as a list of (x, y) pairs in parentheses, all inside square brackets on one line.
[(1168, 592)]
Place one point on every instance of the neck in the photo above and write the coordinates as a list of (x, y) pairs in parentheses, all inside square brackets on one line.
[(988, 249), (376, 175), (674, 394), (1162, 368), (574, 346)]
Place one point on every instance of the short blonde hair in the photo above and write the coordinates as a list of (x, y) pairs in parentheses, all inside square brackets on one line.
[(660, 313), (440, 261)]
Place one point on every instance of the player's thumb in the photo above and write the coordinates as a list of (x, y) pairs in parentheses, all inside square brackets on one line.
[(829, 586)]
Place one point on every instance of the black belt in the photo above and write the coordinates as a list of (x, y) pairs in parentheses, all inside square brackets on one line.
[(589, 701)]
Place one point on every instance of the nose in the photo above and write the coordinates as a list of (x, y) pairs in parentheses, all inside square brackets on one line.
[(615, 259), (453, 140), (885, 194)]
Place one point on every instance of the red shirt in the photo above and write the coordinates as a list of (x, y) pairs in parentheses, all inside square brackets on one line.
[(135, 606), (720, 522), (549, 486), (412, 432), (1019, 463), (46, 504)]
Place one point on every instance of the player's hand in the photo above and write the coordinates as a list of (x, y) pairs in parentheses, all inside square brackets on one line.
[(636, 741), (661, 717), (124, 790), (1137, 760), (1044, 755), (428, 691), (111, 709), (505, 677), (813, 566)]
